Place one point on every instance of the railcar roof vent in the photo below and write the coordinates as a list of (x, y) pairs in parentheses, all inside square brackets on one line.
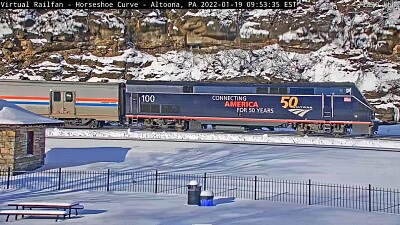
[(262, 90)]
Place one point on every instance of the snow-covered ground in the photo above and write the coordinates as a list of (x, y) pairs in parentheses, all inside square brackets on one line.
[(389, 130), (151, 209), (328, 165), (266, 138)]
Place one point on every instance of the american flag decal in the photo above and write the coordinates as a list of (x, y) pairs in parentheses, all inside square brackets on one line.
[(347, 99)]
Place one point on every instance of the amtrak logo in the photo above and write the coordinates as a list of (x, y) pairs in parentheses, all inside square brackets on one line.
[(300, 112)]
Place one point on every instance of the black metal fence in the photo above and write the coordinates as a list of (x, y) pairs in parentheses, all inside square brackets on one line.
[(369, 198)]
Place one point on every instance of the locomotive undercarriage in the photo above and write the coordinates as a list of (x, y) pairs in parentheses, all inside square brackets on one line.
[(82, 123), (322, 128), (336, 130), (153, 124)]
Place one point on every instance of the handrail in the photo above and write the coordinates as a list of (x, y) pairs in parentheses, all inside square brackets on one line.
[(363, 103)]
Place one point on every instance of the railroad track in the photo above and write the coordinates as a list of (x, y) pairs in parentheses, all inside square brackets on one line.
[(238, 131), (158, 135)]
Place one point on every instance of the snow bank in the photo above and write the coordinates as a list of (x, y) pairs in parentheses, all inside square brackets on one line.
[(4, 30), (11, 114), (231, 138)]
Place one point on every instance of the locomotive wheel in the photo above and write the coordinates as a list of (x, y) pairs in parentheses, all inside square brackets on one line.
[(338, 135), (182, 125), (94, 124), (301, 133), (148, 124)]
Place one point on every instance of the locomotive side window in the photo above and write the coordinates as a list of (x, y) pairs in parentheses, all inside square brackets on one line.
[(170, 109), (187, 89), (56, 96), (69, 97), (262, 90)]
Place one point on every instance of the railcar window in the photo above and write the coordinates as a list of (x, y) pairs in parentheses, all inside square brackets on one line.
[(56, 96), (187, 89), (302, 91), (262, 90), (170, 109), (150, 108), (69, 97)]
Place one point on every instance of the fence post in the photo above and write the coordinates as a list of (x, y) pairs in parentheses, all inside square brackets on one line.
[(156, 185), (59, 178), (255, 187), (309, 191), (205, 181), (8, 177), (108, 179), (369, 198)]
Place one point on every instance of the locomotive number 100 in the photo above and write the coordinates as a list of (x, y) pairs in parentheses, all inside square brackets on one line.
[(148, 98), (290, 102)]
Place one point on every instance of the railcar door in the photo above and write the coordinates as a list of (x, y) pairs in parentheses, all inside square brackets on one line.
[(56, 103), (69, 103), (327, 106), (62, 102)]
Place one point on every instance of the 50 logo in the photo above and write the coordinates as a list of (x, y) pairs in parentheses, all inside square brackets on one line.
[(290, 102)]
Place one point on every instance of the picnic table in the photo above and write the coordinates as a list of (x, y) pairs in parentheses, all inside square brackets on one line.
[(57, 213), (53, 205)]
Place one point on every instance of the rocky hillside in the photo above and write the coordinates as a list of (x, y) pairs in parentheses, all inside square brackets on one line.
[(347, 40)]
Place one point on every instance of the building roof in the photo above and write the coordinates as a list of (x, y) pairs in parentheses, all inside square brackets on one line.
[(11, 114)]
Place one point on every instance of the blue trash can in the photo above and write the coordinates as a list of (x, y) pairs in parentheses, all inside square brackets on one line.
[(207, 198)]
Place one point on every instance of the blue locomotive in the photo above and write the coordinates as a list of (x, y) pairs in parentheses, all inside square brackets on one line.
[(333, 108)]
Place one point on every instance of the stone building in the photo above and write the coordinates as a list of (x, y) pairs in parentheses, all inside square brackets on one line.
[(22, 137)]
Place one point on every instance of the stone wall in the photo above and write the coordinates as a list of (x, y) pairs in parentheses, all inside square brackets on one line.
[(13, 148), (22, 160), (7, 142)]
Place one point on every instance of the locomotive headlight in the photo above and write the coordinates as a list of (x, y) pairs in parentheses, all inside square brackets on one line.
[(355, 116)]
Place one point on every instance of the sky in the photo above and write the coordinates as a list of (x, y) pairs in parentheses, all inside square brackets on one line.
[(331, 165)]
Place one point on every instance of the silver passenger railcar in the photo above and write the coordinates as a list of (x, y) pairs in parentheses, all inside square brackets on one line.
[(77, 103)]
